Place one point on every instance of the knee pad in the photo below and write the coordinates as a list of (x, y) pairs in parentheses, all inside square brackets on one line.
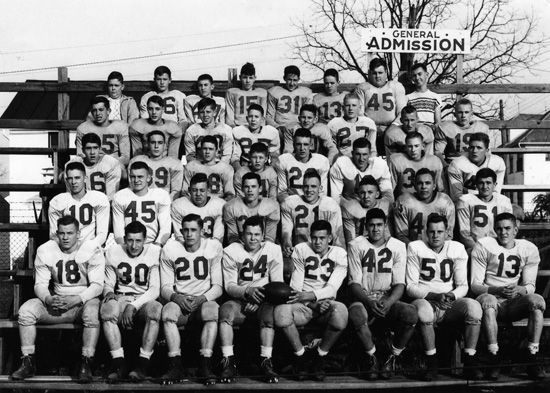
[(283, 315), (210, 311), (265, 316), (227, 314), (487, 301), (27, 312), (90, 313), (338, 316), (153, 311), (109, 311), (170, 312), (536, 302), (408, 316), (425, 311), (474, 312), (358, 315)]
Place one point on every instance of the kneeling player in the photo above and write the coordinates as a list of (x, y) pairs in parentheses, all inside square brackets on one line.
[(504, 272), (132, 285), (247, 267), (191, 278), (377, 282), (319, 270)]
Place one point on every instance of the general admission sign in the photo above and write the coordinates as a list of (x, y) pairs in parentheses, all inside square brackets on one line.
[(416, 41)]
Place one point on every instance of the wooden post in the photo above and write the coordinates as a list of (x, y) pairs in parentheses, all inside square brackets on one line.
[(459, 72), (63, 113), (232, 76)]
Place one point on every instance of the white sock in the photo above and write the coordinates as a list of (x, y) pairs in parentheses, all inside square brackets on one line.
[(266, 352), (207, 353), (431, 352), (300, 352), (371, 351), (227, 351), (117, 353), (533, 348), (469, 351), (321, 352), (174, 354), (28, 350), (493, 348), (144, 354), (396, 351)]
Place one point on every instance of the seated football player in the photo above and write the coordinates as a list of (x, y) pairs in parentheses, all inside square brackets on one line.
[(352, 126), (259, 155), (247, 267), (503, 277), (453, 136), (166, 171), (319, 270), (476, 213), (205, 86), (463, 169), (140, 128), (376, 283), (330, 102), (395, 136), (75, 271), (291, 168), (173, 99), (346, 173), (255, 131), (437, 279), (321, 138), (220, 173), (195, 134), (191, 281), (113, 133), (403, 166), (354, 211), (122, 107), (132, 285), (150, 206), (103, 172), (238, 99), (411, 211), (426, 102), (200, 202), (237, 210), (90, 208)]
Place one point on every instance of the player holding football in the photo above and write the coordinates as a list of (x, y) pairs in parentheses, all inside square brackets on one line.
[(319, 270), (173, 99), (247, 267), (205, 86), (394, 138), (259, 156), (330, 102), (191, 279), (150, 206), (132, 285), (376, 283), (503, 277), (437, 279), (76, 271)]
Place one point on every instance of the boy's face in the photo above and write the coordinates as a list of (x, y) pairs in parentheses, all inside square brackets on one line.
[(485, 187), (191, 232), (414, 148), (419, 77), (208, 151), (307, 119), (139, 179), (115, 87), (424, 186), (207, 115), (351, 108), (76, 180), (375, 229), (257, 161), (162, 82), (311, 188), (251, 190), (360, 157), (198, 193), (135, 242), (291, 81), (378, 76), (156, 146), (477, 152), (247, 81), (320, 241), (368, 194), (331, 85), (408, 120), (302, 147), (464, 114), (205, 88), (91, 153), (437, 234), (155, 111), (100, 113), (255, 119)]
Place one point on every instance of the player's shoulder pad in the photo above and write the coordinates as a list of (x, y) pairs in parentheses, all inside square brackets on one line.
[(338, 253), (49, 247), (456, 248), (396, 244), (212, 248), (416, 245), (86, 251), (329, 202), (158, 194), (489, 242)]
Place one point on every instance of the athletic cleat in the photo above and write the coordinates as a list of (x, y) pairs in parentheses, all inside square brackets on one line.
[(387, 370), (267, 371), (317, 371), (118, 371), (27, 369), (229, 370), (300, 366), (432, 368), (370, 363), (174, 373), (471, 369), (493, 371), (205, 373), (85, 371), (535, 371), (140, 372)]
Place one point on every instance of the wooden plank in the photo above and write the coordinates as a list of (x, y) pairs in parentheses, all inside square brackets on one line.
[(32, 187), (40, 124), (22, 227), (530, 226), (35, 150), (519, 150), (526, 188), (518, 124)]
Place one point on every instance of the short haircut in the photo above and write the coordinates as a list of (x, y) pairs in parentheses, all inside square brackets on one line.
[(311, 173), (198, 178), (292, 69), (161, 70), (332, 72), (424, 171), (258, 147), (192, 218), (369, 180), (351, 96), (254, 221), (419, 65), (361, 143), (484, 173), (309, 108), (378, 62), (205, 77), (375, 213), (252, 176), (75, 166), (115, 75), (137, 165), (206, 102), (92, 137), (463, 101), (413, 135), (68, 220), (156, 99), (210, 139), (408, 110), (255, 107), (135, 227), (100, 100), (435, 218), (302, 133), (248, 69), (506, 216), (321, 225), (156, 132), (479, 137)]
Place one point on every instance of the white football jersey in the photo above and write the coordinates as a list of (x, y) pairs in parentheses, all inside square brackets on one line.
[(283, 106), (394, 139), (382, 104), (344, 133), (211, 214), (220, 178), (321, 140), (456, 136), (193, 140), (166, 173), (403, 171), (290, 173), (237, 102), (141, 127), (173, 105), (103, 176), (114, 139), (244, 138), (191, 108), (268, 178), (329, 106), (235, 212), (354, 214)]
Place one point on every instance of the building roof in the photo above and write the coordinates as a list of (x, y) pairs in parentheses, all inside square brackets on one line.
[(532, 136)]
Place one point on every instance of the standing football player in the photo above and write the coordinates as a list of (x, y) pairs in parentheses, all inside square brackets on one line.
[(205, 86), (331, 101)]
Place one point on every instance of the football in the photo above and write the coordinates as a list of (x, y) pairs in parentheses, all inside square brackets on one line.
[(277, 292)]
